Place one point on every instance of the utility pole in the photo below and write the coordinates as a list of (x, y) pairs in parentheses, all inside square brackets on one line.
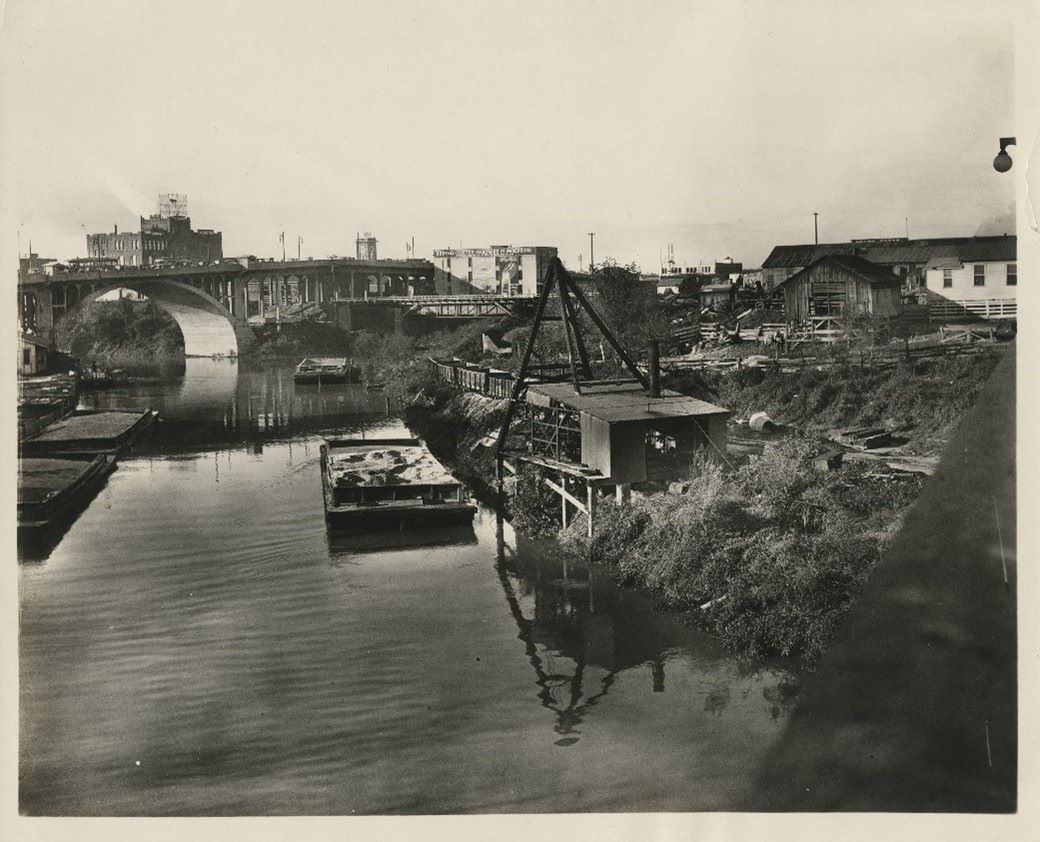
[(816, 228), (592, 252)]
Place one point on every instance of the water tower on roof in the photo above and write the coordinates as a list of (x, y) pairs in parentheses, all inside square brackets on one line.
[(366, 247), (173, 205)]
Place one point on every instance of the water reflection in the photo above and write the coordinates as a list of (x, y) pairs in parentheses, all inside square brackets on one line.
[(219, 402), (200, 618), (566, 610)]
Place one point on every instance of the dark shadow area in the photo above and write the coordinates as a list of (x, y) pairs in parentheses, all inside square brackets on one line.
[(914, 707)]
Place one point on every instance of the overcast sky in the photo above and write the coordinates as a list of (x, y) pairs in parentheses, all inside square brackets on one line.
[(718, 127)]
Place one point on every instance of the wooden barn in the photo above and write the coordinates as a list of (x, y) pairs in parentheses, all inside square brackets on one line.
[(841, 286)]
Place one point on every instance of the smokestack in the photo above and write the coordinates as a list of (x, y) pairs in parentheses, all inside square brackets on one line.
[(115, 229), (654, 355)]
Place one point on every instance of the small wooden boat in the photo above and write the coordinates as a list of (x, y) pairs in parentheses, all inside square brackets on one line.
[(390, 483), (322, 370), (90, 431), (52, 490)]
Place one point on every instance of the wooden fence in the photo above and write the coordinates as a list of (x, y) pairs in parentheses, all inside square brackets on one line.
[(987, 308)]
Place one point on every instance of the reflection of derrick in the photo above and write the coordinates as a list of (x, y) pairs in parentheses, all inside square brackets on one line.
[(565, 621), (571, 714)]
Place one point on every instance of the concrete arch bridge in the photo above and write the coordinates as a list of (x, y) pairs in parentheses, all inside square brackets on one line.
[(216, 304)]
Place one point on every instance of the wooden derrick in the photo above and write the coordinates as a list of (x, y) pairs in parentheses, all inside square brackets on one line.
[(585, 437)]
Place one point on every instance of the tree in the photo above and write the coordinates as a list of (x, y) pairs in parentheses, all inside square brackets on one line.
[(628, 305)]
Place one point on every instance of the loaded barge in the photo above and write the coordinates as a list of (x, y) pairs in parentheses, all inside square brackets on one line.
[(390, 483)]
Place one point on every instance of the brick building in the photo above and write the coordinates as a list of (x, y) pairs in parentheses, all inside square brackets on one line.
[(164, 237)]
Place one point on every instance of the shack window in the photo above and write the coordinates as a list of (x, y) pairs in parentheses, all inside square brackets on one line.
[(980, 275), (1012, 274), (947, 278), (827, 299)]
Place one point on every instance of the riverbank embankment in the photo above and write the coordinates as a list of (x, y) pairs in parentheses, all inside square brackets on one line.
[(765, 551)]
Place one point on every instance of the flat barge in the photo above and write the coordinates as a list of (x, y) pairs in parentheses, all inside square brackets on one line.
[(322, 370), (90, 431), (52, 490), (379, 484)]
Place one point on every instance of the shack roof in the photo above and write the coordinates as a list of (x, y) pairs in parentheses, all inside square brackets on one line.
[(622, 402), (898, 250), (851, 264)]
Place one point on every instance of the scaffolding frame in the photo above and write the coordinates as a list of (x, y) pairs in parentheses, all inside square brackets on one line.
[(554, 433)]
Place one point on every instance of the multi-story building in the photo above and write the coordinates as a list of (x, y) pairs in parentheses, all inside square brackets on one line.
[(164, 237), (498, 270)]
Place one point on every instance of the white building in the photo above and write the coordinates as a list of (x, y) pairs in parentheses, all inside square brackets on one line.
[(980, 282), (498, 270)]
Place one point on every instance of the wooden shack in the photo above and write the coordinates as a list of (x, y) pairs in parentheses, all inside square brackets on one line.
[(32, 355), (619, 432), (841, 286)]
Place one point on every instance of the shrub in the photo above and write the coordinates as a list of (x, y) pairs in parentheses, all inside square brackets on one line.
[(773, 581)]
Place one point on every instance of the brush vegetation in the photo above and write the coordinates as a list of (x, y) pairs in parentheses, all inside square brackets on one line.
[(767, 557), (123, 334), (924, 398)]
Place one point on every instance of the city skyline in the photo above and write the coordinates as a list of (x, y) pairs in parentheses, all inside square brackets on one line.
[(722, 145)]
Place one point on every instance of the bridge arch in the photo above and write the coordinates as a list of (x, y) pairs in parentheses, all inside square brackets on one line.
[(208, 329)]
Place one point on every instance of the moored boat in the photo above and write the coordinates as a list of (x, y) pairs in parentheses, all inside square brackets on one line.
[(52, 490), (90, 431), (321, 370), (389, 483)]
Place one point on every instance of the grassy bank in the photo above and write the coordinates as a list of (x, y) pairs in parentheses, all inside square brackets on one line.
[(455, 425), (766, 555), (925, 399)]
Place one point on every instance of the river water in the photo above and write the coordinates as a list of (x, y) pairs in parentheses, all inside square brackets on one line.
[(197, 644)]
